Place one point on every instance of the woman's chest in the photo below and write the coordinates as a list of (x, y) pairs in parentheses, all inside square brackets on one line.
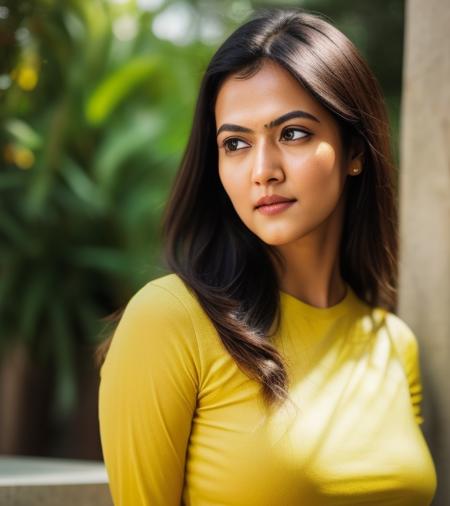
[(348, 436)]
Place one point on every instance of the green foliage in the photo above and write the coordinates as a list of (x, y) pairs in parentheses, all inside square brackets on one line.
[(95, 112), (91, 136)]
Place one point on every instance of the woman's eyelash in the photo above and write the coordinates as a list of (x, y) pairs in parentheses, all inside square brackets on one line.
[(295, 129), (226, 142)]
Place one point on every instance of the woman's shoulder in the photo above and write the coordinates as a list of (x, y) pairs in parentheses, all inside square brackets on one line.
[(167, 295), (399, 332), (168, 304), (394, 324), (159, 316)]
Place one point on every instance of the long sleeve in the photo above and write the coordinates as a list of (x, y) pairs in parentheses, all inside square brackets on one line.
[(408, 348), (147, 397), (412, 367)]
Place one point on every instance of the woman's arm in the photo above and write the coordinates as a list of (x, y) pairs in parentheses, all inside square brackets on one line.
[(147, 398), (412, 368), (408, 348)]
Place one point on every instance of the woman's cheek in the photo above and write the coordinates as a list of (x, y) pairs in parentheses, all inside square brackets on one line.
[(320, 176), (234, 187), (324, 159)]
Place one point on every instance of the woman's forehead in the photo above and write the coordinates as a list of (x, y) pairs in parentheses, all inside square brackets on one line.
[(270, 78), (267, 94)]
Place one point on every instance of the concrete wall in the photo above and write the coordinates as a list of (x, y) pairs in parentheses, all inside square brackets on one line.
[(424, 215)]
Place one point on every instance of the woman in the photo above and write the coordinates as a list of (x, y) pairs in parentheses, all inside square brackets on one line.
[(268, 367)]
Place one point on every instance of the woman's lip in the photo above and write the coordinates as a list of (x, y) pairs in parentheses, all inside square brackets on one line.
[(275, 208)]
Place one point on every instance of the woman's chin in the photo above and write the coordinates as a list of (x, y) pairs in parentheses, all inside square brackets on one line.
[(276, 239)]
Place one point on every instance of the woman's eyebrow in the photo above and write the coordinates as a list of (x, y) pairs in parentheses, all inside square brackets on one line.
[(230, 127)]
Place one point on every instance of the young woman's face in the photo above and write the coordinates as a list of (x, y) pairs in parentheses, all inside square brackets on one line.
[(274, 138)]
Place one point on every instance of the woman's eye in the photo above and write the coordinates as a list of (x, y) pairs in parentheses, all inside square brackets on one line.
[(292, 134), (289, 134), (233, 144)]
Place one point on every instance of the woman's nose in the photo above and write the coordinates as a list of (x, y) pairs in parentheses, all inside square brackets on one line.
[(266, 164)]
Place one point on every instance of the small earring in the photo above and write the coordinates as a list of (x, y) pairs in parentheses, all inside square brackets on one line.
[(356, 170)]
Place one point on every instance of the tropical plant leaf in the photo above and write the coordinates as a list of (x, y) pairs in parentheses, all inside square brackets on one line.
[(117, 86)]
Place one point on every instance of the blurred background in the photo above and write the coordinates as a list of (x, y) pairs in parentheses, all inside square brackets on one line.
[(96, 103)]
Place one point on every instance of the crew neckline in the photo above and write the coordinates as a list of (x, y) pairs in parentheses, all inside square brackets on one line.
[(339, 309)]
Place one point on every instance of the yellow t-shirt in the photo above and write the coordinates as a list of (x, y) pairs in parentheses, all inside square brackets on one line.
[(182, 424)]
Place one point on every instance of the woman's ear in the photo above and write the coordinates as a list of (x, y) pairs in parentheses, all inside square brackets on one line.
[(356, 156)]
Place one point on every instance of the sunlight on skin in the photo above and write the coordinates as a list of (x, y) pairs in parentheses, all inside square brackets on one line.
[(299, 159)]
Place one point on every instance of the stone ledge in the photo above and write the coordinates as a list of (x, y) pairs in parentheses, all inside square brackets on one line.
[(30, 481)]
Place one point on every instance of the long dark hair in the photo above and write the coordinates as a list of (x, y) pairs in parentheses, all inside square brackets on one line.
[(228, 268)]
